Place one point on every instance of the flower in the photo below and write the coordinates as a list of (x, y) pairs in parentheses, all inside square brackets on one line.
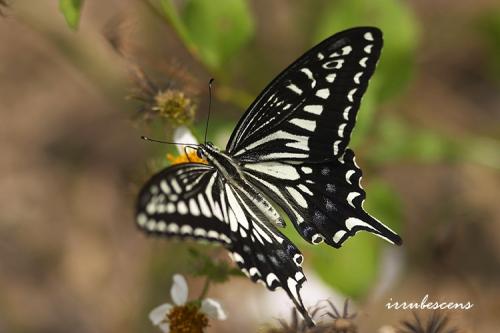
[(171, 101), (182, 134), (184, 316)]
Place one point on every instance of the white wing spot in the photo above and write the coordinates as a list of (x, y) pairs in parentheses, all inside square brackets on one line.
[(297, 196), (275, 169), (368, 36), (320, 56), (351, 94), (362, 62), (151, 208), (254, 271), (357, 76), (186, 229), (170, 208), (151, 225), (307, 170), (193, 207), (142, 219), (351, 196), (237, 257), (331, 77), (299, 276), (214, 234), (346, 50), (305, 189), (309, 125), (341, 130), (316, 109), (368, 48), (336, 147), (348, 175), (338, 235), (162, 226), (270, 278), (323, 93), (224, 238), (164, 187), (199, 232), (154, 189), (203, 205), (294, 88), (182, 208), (173, 228), (346, 112), (175, 185)]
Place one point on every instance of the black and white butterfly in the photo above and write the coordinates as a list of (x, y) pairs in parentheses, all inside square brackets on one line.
[(290, 150)]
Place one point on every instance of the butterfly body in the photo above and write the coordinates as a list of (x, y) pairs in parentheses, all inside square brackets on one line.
[(291, 148)]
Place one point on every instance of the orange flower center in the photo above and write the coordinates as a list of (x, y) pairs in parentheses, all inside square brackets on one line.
[(191, 157), (187, 319)]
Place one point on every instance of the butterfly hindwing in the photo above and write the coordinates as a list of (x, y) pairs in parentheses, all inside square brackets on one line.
[(323, 200), (309, 110)]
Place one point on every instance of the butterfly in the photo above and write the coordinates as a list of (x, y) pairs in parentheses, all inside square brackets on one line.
[(288, 150)]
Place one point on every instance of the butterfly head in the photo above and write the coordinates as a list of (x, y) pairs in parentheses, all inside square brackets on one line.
[(206, 150)]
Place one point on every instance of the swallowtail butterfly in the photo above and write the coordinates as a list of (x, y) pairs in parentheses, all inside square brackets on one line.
[(290, 150)]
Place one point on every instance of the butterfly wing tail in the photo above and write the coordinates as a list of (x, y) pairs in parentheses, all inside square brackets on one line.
[(355, 196)]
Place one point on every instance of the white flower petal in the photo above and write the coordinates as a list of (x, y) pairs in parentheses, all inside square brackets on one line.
[(158, 314), (213, 309), (165, 327), (182, 134), (179, 291)]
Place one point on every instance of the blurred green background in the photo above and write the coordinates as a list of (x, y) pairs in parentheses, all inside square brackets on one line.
[(427, 139)]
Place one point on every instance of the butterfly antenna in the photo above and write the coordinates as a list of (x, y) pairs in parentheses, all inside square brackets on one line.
[(209, 106), (145, 138)]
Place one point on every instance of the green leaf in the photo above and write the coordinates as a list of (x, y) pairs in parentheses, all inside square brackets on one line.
[(71, 10), (218, 29), (400, 31)]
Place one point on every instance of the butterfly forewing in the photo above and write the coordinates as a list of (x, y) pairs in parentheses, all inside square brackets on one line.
[(309, 110)]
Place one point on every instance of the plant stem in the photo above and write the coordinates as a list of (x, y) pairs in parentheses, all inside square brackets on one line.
[(206, 286)]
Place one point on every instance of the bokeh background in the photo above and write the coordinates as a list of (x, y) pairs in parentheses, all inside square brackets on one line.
[(71, 162)]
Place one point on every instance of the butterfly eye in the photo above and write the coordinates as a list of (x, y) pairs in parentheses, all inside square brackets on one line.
[(199, 153)]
